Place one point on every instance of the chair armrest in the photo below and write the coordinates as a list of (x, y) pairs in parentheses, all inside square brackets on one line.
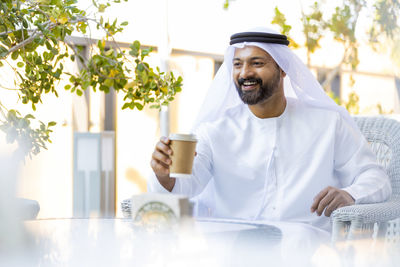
[(28, 208), (368, 213)]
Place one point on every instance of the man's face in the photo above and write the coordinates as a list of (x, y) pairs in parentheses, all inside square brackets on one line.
[(255, 73)]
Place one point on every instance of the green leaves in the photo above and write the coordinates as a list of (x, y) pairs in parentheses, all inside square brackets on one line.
[(14, 55), (226, 4), (102, 8), (341, 23), (135, 47), (385, 20), (148, 86), (37, 70), (18, 129), (3, 52), (313, 27), (280, 20), (33, 34), (108, 70)]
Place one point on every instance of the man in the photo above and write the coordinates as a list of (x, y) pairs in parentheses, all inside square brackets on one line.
[(272, 145)]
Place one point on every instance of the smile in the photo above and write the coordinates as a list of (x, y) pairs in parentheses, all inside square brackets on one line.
[(249, 83), (248, 86)]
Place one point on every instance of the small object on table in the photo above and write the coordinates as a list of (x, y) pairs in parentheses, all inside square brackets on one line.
[(159, 211)]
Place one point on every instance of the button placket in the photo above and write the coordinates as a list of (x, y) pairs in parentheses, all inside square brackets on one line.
[(270, 187)]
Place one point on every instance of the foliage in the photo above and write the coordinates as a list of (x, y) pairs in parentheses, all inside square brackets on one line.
[(352, 104), (105, 72), (226, 3), (385, 22), (313, 29), (382, 111), (280, 20), (34, 43), (17, 129), (335, 98), (341, 24)]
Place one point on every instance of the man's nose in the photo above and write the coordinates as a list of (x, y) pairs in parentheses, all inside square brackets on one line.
[(246, 71)]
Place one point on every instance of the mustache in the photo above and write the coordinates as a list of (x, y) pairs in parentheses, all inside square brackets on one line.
[(241, 81)]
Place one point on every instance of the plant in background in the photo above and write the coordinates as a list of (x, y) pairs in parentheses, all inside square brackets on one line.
[(381, 110), (342, 24), (34, 44), (280, 19), (352, 104), (226, 3)]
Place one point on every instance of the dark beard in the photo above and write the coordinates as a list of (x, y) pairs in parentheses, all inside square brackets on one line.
[(265, 91)]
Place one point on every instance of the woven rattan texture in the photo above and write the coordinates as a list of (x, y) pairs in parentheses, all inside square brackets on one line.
[(383, 135)]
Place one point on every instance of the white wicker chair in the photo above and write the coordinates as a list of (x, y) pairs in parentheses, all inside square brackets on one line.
[(380, 219)]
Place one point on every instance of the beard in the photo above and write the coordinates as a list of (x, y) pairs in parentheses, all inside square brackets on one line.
[(257, 96)]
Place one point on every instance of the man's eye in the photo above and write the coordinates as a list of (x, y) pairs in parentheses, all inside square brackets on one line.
[(258, 63), (237, 64)]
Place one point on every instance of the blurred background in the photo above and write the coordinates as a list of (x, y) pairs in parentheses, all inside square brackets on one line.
[(359, 70)]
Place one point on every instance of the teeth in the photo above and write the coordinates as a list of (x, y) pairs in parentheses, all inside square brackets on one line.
[(249, 83)]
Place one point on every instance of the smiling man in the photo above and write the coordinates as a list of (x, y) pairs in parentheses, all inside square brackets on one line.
[(272, 145), (259, 81)]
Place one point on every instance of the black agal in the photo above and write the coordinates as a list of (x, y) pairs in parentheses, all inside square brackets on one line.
[(260, 37)]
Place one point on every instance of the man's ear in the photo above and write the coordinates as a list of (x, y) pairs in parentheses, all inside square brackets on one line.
[(283, 74)]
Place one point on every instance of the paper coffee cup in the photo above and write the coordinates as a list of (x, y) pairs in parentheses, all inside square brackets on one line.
[(183, 148)]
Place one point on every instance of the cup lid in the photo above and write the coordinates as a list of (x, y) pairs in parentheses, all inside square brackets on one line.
[(183, 137)]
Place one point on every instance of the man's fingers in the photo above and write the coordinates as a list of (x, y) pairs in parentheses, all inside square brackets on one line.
[(342, 199), (325, 202), (333, 205), (161, 157), (159, 168), (339, 201), (164, 147), (165, 166), (318, 198), (165, 140), (330, 199)]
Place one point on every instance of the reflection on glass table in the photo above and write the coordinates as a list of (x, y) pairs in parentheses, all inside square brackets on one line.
[(200, 242)]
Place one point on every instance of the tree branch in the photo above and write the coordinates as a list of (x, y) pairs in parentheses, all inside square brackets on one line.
[(331, 75), (108, 33), (23, 43), (37, 33), (6, 33)]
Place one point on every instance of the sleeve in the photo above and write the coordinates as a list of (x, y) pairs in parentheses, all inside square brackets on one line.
[(153, 185), (356, 166), (201, 172)]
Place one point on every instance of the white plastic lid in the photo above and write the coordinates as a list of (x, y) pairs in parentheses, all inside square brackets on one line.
[(180, 175), (183, 137)]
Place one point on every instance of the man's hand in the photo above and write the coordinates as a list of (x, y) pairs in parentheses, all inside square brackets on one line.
[(161, 161), (330, 199)]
